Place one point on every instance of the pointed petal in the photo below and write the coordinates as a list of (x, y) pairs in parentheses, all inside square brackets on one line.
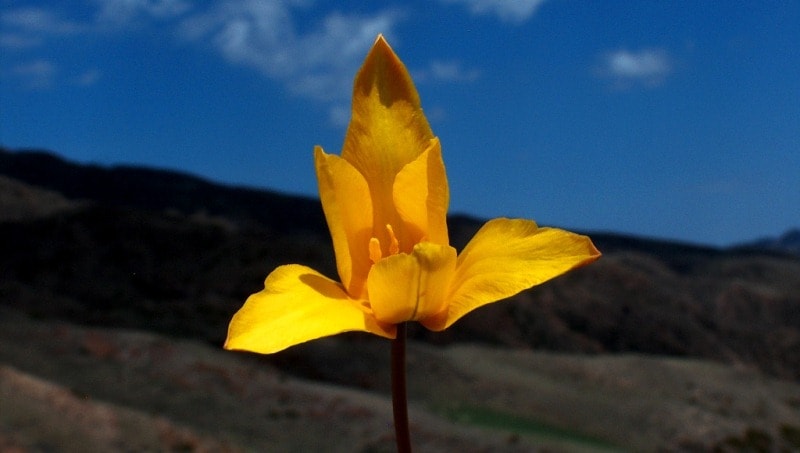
[(408, 287), (298, 304), (387, 129), (507, 256), (348, 210), (421, 196)]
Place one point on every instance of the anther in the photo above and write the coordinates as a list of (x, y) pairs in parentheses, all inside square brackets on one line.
[(394, 246), (375, 254)]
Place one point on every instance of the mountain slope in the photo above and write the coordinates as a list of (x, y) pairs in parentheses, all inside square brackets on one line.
[(152, 189), (71, 388), (182, 260)]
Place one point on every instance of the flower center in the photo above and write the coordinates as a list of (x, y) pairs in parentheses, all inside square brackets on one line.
[(375, 251)]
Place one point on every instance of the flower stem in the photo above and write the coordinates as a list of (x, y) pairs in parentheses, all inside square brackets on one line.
[(399, 398)]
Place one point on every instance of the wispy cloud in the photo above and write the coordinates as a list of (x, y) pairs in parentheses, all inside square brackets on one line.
[(29, 27), (516, 11), (314, 59), (339, 114), (318, 63), (17, 41), (125, 11), (452, 71), (87, 78), (647, 67), (43, 74), (36, 75), (26, 30), (446, 71), (31, 19)]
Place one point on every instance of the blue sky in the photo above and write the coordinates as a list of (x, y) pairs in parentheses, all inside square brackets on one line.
[(670, 119)]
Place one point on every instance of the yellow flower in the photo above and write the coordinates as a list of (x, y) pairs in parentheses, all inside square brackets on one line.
[(385, 200)]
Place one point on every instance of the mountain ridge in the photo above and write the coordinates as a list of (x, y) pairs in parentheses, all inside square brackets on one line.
[(180, 268), (157, 189)]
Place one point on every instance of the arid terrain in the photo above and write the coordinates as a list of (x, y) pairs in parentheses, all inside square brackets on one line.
[(117, 286)]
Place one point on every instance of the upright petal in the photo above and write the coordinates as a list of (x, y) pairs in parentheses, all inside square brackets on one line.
[(507, 256), (348, 210), (298, 304), (387, 129), (406, 287), (421, 196)]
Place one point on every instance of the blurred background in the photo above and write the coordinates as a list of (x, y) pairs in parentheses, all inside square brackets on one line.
[(156, 165)]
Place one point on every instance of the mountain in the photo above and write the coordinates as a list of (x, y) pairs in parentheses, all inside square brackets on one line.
[(135, 273), (68, 388), (151, 189), (173, 253), (788, 242)]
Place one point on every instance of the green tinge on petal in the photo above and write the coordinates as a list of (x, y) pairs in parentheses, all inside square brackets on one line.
[(347, 205), (507, 256), (298, 304), (406, 287), (421, 196)]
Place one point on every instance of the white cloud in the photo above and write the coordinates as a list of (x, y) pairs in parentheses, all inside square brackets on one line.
[(123, 11), (319, 63), (31, 20), (88, 78), (18, 41), (38, 74), (339, 114), (42, 74), (451, 71), (509, 10), (285, 40), (28, 29), (648, 67), (646, 63), (25, 28), (317, 60)]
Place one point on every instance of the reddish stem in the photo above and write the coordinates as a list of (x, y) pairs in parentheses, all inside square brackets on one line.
[(399, 397)]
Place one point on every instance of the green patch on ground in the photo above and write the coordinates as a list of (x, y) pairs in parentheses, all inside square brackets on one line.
[(538, 430)]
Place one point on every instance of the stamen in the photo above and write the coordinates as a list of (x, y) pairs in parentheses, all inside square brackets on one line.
[(375, 254), (394, 246)]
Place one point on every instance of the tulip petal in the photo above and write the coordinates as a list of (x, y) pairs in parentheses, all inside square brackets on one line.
[(348, 210), (421, 196), (406, 287), (507, 256), (387, 129), (298, 304)]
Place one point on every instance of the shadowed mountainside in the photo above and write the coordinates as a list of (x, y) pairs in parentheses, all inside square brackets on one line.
[(151, 189), (178, 255), (787, 242), (115, 282), (67, 388)]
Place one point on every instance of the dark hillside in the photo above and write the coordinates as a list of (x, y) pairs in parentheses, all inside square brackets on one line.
[(178, 255), (152, 189)]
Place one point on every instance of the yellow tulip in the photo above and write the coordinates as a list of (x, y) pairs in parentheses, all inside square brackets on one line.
[(385, 201)]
